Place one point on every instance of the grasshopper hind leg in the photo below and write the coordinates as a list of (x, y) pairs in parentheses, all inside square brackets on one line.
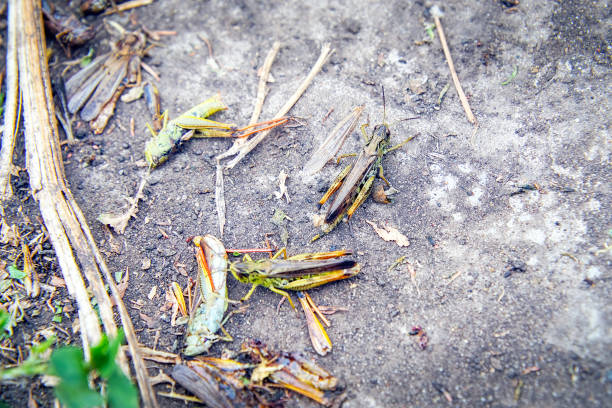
[(335, 185), (250, 292), (283, 293), (364, 192)]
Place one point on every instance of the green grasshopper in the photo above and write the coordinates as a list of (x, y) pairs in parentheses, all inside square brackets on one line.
[(298, 272), (193, 123), (354, 183), (208, 317)]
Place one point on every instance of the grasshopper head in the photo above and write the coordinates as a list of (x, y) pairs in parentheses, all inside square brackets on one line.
[(382, 133)]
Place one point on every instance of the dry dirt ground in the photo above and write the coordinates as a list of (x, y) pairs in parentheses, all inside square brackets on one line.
[(507, 278)]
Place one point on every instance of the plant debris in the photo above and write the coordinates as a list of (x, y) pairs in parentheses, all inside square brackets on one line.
[(422, 336), (251, 377), (278, 219), (282, 178), (514, 266), (390, 234), (119, 222), (512, 76)]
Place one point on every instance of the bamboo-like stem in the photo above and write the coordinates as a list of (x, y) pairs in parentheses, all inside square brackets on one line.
[(66, 224), (10, 110)]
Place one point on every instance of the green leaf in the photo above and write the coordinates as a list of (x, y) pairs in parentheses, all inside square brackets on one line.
[(15, 272), (2, 96), (33, 365), (5, 321), (86, 60), (57, 318), (430, 31), (103, 355), (120, 391), (73, 390), (77, 397), (512, 76), (67, 363), (44, 346)]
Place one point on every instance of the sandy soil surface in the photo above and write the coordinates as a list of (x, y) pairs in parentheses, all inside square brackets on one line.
[(508, 223)]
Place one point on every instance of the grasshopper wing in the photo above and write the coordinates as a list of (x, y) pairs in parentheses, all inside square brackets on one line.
[(333, 142)]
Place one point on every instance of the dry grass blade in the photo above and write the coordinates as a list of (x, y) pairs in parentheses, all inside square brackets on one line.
[(220, 198), (10, 110), (241, 148), (449, 59), (326, 52), (66, 224), (263, 79)]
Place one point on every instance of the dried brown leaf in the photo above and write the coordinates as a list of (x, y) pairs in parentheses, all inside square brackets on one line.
[(119, 222), (390, 234)]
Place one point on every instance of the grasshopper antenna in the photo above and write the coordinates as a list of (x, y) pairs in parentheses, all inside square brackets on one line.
[(384, 105), (403, 120)]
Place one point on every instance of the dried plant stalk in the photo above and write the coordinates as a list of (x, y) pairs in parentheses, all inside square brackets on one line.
[(66, 224), (326, 52), (10, 110), (263, 80), (241, 148), (451, 66)]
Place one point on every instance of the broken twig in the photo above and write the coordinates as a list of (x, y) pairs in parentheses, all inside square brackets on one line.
[(326, 52), (449, 59), (263, 79), (241, 149)]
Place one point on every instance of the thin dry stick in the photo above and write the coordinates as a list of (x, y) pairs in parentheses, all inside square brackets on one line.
[(127, 6), (243, 149), (466, 106), (261, 96), (326, 52), (67, 227), (263, 80), (10, 110), (220, 198), (211, 58)]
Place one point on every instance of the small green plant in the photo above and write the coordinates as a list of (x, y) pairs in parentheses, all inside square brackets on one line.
[(35, 364), (67, 363)]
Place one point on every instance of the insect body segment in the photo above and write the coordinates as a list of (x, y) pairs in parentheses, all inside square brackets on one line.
[(354, 184), (299, 272), (194, 123), (172, 134), (208, 317)]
